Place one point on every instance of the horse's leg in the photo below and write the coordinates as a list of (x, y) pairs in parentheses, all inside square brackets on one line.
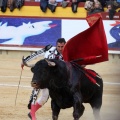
[(55, 110), (78, 106)]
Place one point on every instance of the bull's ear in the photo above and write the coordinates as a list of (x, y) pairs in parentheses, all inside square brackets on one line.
[(50, 63)]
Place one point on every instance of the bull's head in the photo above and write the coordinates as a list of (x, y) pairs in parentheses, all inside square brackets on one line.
[(42, 73)]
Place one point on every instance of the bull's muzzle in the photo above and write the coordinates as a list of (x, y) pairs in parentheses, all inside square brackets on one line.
[(34, 85)]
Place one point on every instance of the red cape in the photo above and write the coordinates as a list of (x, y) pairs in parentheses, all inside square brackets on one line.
[(88, 44)]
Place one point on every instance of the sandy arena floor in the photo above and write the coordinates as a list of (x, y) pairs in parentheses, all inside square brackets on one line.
[(10, 71)]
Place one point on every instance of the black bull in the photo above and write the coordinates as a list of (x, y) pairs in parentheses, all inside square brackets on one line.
[(68, 87)]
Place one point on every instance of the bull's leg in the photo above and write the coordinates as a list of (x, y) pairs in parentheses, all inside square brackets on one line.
[(78, 106), (55, 110), (96, 105), (96, 112)]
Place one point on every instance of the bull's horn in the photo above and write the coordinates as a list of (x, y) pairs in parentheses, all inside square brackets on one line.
[(30, 65), (25, 63), (50, 63)]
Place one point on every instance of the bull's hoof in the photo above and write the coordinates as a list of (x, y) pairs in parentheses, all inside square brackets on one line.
[(55, 118), (29, 115)]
